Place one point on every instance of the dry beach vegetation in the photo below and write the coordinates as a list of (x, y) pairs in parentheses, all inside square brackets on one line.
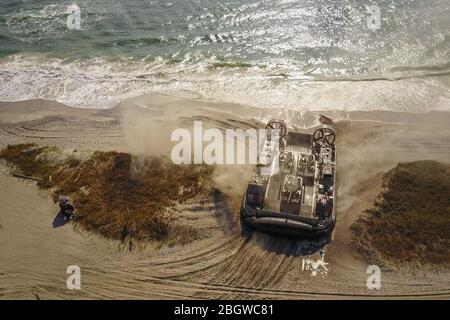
[(114, 197)]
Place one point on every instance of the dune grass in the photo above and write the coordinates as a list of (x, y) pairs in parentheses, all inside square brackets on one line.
[(410, 221), (126, 196)]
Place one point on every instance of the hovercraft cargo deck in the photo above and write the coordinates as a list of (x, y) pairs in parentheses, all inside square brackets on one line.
[(293, 193)]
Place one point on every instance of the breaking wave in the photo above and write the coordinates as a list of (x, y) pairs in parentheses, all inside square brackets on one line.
[(104, 82)]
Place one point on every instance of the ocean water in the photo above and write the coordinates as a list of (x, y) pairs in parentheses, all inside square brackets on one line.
[(303, 54)]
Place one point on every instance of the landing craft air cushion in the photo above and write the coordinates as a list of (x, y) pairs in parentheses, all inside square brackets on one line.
[(293, 192)]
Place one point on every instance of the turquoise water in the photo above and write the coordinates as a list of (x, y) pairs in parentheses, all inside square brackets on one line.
[(311, 55)]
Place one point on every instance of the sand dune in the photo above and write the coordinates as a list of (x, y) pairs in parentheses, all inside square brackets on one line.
[(36, 249)]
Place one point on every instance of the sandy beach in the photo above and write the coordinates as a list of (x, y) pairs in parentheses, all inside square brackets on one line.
[(35, 254)]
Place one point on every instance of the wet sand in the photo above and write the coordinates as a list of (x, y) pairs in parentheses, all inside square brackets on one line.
[(36, 250)]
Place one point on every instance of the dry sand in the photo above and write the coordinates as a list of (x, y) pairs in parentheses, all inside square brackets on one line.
[(34, 254)]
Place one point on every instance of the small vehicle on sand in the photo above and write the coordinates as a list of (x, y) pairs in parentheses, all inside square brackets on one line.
[(66, 207)]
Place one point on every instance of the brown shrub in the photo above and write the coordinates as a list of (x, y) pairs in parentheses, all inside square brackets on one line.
[(410, 223), (122, 201)]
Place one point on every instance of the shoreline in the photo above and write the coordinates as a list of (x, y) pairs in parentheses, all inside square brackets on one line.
[(206, 101)]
